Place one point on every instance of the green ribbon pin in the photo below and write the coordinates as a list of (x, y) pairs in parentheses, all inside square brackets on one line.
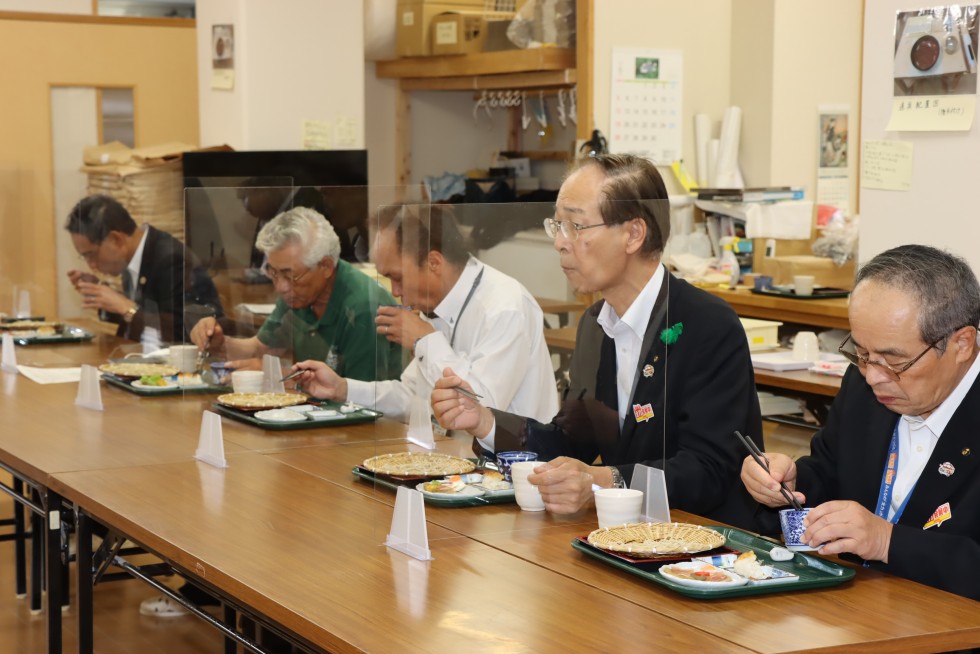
[(669, 335)]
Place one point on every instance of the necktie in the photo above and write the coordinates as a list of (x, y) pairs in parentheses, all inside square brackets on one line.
[(127, 283)]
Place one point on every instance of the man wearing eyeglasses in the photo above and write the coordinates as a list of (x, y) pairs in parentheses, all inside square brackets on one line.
[(894, 475), (161, 280), (325, 309), (660, 375)]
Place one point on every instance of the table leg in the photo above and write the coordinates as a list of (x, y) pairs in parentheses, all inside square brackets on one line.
[(53, 531), (20, 537), (37, 556), (231, 647), (84, 581)]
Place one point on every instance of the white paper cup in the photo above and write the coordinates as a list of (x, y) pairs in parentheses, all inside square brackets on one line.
[(803, 284), (247, 381), (806, 347), (184, 357), (618, 506), (525, 493)]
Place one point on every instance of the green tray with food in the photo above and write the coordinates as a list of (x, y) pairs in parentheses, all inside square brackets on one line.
[(156, 380), (41, 332), (290, 411), (711, 562), (443, 480)]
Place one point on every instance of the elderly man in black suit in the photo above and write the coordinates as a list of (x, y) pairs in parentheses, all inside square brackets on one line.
[(661, 373), (894, 475), (160, 278)]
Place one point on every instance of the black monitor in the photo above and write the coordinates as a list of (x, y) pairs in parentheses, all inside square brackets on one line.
[(220, 226)]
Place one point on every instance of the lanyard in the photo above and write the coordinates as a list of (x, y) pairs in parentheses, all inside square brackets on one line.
[(888, 482), (469, 296)]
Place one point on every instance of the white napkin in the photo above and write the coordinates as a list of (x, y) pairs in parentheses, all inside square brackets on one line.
[(51, 375)]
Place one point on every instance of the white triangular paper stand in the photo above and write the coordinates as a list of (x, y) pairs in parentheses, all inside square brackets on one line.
[(272, 374), (89, 392), (653, 483), (8, 358), (211, 445), (420, 424), (409, 533), (23, 307)]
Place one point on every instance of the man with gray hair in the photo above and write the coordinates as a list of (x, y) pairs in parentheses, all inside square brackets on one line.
[(894, 475), (325, 309)]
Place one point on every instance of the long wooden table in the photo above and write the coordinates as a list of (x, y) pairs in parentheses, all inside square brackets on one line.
[(288, 535), (871, 613)]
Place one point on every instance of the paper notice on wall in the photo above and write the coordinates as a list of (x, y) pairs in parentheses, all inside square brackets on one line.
[(223, 57), (833, 157), (317, 135), (646, 103), (886, 165)]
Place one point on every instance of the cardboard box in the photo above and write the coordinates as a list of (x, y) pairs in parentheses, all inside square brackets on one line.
[(414, 22), (825, 271), (459, 32)]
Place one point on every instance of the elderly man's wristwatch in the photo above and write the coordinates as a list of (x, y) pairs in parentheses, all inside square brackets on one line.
[(130, 314), (617, 477)]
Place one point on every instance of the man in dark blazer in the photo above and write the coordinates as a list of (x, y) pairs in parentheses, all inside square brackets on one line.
[(160, 278), (894, 475), (660, 375)]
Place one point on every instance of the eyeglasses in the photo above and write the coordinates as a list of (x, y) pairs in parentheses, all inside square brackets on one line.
[(862, 361), (278, 275), (567, 228)]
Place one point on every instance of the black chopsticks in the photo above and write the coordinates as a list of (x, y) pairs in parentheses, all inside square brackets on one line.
[(760, 458)]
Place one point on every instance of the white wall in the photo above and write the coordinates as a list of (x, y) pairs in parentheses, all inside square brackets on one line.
[(941, 208), (700, 28), (295, 60)]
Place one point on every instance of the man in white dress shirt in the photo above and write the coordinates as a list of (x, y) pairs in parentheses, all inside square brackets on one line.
[(460, 313), (894, 475)]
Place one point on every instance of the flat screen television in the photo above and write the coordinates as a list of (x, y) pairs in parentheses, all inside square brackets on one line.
[(229, 195)]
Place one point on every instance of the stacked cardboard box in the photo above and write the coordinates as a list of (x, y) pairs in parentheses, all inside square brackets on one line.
[(147, 181)]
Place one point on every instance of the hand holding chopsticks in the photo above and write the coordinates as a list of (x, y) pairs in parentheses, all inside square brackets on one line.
[(760, 457)]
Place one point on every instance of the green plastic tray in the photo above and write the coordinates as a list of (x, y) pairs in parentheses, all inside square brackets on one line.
[(69, 335), (503, 497), (163, 392), (814, 572), (363, 415), (818, 293)]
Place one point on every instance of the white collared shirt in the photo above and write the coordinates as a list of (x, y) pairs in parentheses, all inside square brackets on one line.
[(628, 332), (499, 349), (917, 438), (150, 337)]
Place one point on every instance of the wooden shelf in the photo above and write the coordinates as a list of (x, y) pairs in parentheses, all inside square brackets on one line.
[(534, 68), (539, 155)]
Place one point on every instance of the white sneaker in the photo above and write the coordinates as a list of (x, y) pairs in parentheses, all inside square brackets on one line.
[(162, 606)]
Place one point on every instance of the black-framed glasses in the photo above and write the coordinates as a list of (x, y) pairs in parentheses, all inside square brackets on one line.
[(848, 349), (277, 275), (567, 228)]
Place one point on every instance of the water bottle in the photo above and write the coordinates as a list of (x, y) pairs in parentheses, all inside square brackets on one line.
[(728, 264)]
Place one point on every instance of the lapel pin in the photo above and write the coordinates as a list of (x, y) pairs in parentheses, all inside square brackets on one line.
[(142, 281), (648, 370), (946, 469), (656, 357), (939, 516), (966, 451), (642, 413)]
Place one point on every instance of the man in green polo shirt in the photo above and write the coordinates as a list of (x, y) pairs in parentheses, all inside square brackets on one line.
[(325, 309)]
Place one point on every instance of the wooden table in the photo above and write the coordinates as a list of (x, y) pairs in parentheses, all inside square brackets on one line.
[(564, 309), (288, 534), (871, 613), (831, 313), (308, 555)]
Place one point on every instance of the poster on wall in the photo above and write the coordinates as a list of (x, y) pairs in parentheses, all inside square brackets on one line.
[(223, 57), (935, 71), (645, 108), (833, 154)]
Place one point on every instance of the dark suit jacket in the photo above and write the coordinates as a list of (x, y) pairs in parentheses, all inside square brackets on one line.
[(846, 463), (171, 284), (700, 389)]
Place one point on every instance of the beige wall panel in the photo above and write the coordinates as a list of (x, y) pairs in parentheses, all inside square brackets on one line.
[(159, 62)]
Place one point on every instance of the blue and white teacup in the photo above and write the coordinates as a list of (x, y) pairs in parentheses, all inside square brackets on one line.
[(791, 520), (505, 459)]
